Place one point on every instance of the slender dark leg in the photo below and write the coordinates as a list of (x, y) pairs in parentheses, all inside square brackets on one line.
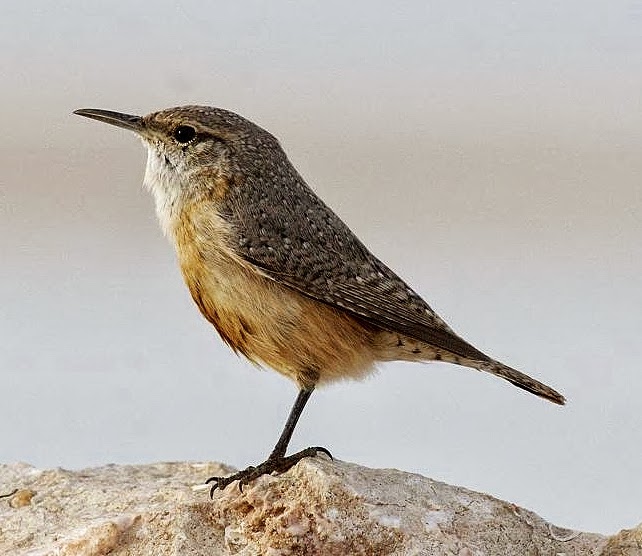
[(277, 461), (290, 424)]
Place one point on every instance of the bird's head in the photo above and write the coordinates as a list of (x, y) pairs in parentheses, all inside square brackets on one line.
[(194, 152)]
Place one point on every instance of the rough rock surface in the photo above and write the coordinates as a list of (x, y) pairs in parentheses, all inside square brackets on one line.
[(317, 508)]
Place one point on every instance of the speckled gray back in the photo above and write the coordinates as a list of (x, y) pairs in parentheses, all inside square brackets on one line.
[(283, 228)]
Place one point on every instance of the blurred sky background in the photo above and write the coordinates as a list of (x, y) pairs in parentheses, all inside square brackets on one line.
[(489, 152)]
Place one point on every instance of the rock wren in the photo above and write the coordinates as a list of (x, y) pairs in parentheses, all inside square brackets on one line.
[(282, 279)]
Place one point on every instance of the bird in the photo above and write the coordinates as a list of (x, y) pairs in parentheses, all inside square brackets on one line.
[(279, 275)]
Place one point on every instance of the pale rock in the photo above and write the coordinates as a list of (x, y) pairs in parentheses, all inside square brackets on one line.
[(317, 508)]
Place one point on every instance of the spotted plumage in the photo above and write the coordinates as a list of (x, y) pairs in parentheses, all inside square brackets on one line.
[(279, 275)]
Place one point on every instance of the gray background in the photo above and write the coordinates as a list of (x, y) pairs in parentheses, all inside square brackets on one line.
[(487, 151)]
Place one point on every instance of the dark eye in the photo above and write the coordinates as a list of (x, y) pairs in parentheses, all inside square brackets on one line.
[(184, 134)]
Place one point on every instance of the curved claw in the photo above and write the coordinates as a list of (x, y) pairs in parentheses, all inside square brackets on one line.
[(214, 480), (324, 451), (219, 482)]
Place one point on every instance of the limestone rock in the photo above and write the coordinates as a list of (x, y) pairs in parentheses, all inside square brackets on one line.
[(317, 508)]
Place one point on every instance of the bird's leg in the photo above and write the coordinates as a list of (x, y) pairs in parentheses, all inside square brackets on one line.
[(277, 461)]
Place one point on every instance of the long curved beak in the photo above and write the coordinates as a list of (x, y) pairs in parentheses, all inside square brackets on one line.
[(127, 121)]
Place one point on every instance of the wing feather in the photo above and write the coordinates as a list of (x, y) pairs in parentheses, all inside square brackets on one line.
[(284, 229)]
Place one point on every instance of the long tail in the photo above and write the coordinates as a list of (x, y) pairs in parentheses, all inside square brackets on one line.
[(517, 378), (395, 347)]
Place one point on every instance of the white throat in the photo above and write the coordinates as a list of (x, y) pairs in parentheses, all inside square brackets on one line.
[(162, 180)]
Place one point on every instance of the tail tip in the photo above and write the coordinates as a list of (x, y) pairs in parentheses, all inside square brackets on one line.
[(557, 398)]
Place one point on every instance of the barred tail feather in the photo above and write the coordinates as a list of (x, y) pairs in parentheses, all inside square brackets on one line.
[(519, 379)]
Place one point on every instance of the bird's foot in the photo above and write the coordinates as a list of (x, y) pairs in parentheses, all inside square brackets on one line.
[(278, 464)]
